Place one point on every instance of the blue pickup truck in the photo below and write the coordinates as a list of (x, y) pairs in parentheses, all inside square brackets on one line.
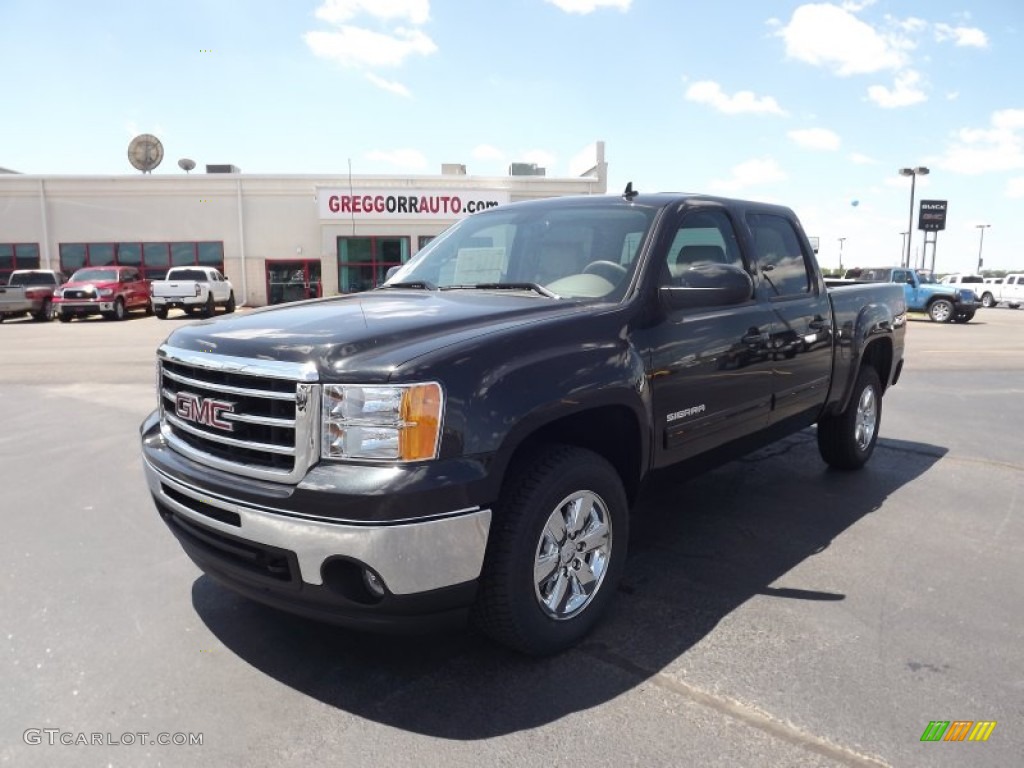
[(943, 303)]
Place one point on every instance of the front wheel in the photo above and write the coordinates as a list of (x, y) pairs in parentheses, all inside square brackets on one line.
[(988, 301), (941, 311), (230, 306), (120, 312), (846, 440), (556, 551)]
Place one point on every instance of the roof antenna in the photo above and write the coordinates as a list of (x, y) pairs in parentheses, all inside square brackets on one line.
[(630, 193)]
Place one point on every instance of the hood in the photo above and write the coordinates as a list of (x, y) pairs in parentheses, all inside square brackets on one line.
[(367, 336), (85, 285)]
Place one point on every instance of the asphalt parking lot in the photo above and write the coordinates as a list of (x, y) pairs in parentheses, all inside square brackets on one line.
[(774, 613)]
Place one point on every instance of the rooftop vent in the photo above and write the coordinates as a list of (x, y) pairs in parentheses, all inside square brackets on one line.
[(453, 169), (526, 169), (223, 169)]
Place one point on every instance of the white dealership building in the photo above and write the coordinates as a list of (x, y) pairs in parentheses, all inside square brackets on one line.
[(276, 237)]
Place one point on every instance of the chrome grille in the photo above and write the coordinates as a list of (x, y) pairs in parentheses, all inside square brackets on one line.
[(251, 417)]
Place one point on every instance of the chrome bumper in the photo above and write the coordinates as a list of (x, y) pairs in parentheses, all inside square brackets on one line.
[(409, 557)]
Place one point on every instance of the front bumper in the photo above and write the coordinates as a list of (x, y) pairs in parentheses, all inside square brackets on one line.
[(318, 567), (82, 307)]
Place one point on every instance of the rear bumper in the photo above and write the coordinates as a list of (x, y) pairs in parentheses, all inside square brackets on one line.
[(178, 302)]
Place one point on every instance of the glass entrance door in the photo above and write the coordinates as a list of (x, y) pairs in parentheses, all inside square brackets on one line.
[(293, 280)]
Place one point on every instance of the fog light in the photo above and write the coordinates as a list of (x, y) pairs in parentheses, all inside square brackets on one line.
[(373, 583)]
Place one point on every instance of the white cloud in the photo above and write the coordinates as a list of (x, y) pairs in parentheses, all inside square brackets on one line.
[(861, 159), (1015, 187), (338, 11), (388, 85), (355, 46), (749, 174), (857, 5), (584, 7), (952, 95), (903, 93), (711, 93), (411, 159), (828, 36), (816, 138), (999, 147), (962, 36), (487, 152)]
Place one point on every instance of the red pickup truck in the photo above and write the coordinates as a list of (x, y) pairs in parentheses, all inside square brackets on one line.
[(109, 291)]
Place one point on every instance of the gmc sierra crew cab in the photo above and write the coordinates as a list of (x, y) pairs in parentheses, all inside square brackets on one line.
[(467, 439)]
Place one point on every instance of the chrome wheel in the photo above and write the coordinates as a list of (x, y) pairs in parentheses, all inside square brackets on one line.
[(867, 418), (572, 555)]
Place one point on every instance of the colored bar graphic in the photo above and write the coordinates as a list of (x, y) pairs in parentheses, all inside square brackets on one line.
[(958, 730)]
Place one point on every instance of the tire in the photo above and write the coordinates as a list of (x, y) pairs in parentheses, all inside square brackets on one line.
[(846, 440), (64, 317), (230, 306), (209, 307), (534, 526), (149, 308), (45, 313), (940, 311), (120, 312), (988, 301), (964, 317), (160, 312)]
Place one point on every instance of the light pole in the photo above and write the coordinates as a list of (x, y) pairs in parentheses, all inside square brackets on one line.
[(913, 173), (903, 246), (981, 242), (841, 241)]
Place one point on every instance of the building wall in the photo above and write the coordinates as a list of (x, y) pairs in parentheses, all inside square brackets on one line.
[(258, 218)]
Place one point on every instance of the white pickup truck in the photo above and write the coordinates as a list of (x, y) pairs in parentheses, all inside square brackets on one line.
[(992, 290), (191, 289)]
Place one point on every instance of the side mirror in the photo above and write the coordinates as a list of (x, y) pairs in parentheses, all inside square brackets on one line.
[(910, 281), (390, 273), (709, 285)]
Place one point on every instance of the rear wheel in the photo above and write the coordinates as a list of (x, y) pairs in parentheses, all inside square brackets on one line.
[(209, 307), (45, 312), (846, 440), (556, 551), (160, 312), (941, 311)]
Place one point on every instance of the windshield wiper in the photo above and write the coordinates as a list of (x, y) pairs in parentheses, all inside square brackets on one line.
[(423, 285), (535, 287)]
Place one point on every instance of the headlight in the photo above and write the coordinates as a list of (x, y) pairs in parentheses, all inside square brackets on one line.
[(59, 293), (105, 291), (391, 423)]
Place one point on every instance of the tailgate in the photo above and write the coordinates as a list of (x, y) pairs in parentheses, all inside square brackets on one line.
[(175, 289), (12, 296)]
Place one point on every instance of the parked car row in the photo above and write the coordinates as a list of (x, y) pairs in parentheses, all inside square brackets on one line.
[(113, 292), (943, 303)]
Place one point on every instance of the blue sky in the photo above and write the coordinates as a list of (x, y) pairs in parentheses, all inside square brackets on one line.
[(813, 105)]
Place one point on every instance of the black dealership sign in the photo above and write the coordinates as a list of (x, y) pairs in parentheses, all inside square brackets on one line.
[(932, 217)]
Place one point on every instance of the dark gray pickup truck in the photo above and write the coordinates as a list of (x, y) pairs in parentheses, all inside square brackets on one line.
[(467, 439)]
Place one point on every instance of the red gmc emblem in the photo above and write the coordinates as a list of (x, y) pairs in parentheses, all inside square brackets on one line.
[(200, 410)]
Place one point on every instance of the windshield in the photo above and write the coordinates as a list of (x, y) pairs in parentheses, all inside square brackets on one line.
[(577, 251), (33, 278), (89, 275)]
